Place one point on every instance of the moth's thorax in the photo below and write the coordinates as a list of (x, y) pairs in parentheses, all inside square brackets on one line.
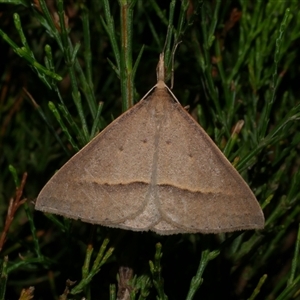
[(160, 100), (160, 85)]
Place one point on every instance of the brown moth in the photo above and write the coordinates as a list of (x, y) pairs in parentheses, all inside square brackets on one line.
[(153, 168)]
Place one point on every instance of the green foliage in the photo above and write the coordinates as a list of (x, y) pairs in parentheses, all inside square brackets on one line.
[(237, 68)]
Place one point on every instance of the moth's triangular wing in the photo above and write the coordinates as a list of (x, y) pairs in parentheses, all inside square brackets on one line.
[(198, 190), (105, 182)]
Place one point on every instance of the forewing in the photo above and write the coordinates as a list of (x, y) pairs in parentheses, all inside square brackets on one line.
[(198, 188), (105, 183)]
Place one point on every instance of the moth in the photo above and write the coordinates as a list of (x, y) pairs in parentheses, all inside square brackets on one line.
[(153, 168)]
